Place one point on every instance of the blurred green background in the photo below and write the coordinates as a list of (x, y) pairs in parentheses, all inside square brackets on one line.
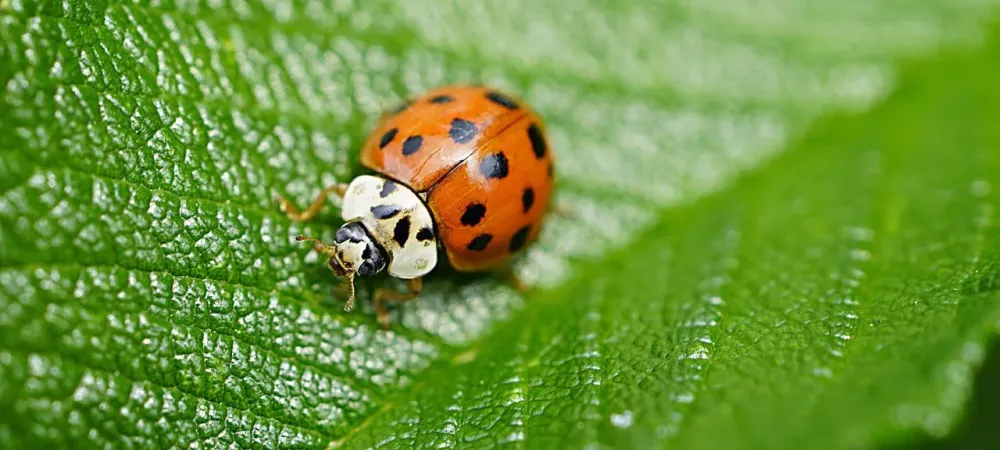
[(783, 232)]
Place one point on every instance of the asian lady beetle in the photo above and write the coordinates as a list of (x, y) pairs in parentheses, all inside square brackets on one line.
[(466, 168)]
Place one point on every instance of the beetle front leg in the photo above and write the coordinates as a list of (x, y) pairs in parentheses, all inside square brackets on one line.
[(383, 295), (293, 213)]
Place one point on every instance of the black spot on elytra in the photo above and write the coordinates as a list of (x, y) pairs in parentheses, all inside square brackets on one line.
[(501, 100), (402, 231), (494, 165), (462, 131), (474, 213), (385, 211), (537, 141), (387, 188), (528, 198), (425, 234), (388, 137), (480, 242), (517, 241), (412, 144), (441, 99)]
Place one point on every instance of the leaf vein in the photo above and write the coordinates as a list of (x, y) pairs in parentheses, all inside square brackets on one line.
[(175, 319), (173, 389)]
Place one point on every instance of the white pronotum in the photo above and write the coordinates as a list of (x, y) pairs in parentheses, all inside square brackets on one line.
[(397, 219)]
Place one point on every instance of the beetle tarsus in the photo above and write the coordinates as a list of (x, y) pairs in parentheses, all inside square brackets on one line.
[(514, 280), (562, 209), (383, 295)]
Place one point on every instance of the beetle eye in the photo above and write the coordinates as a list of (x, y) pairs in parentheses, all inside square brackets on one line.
[(366, 269)]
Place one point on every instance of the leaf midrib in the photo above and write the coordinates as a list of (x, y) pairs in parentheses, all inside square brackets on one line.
[(875, 215)]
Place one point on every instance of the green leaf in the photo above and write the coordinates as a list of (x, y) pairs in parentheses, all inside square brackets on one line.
[(739, 272)]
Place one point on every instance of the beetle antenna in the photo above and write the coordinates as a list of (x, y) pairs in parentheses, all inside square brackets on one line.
[(317, 244), (330, 250), (350, 299)]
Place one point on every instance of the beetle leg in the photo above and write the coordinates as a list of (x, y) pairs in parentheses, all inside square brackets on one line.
[(293, 212), (562, 209), (343, 289), (515, 281), (383, 295)]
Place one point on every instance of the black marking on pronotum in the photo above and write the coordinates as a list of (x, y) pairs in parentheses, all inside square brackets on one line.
[(501, 100), (444, 98), (385, 211), (402, 231), (480, 242), (425, 234), (353, 232), (527, 198), (387, 188), (462, 131), (473, 214), (388, 137), (494, 165), (537, 141), (517, 241), (412, 144)]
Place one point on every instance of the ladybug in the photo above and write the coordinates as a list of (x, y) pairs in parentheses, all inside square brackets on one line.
[(462, 168)]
